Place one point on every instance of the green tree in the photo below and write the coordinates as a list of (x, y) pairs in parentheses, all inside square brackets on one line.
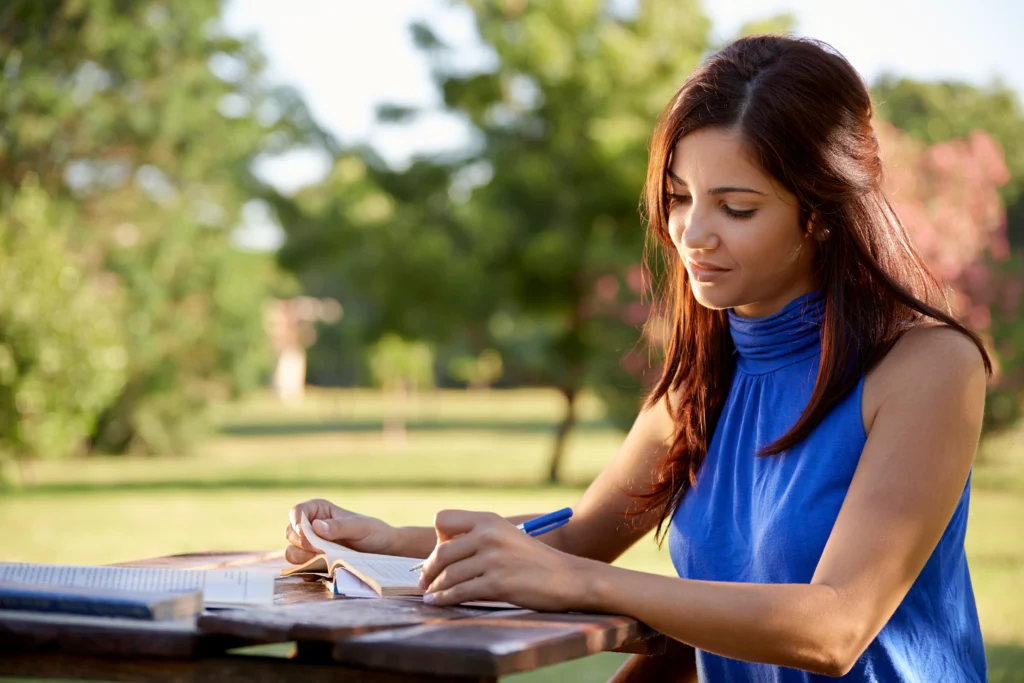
[(564, 120), (503, 246), (400, 367), (779, 23), (62, 359), (143, 117)]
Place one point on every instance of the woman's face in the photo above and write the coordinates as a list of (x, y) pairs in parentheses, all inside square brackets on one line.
[(736, 229)]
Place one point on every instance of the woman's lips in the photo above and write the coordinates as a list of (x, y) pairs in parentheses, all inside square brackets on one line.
[(704, 272)]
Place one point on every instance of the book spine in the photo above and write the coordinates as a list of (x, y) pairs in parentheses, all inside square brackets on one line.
[(87, 605)]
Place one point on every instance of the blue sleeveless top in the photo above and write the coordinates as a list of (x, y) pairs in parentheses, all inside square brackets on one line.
[(766, 519)]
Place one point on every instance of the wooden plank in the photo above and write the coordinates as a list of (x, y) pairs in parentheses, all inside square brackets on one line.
[(494, 645), (174, 638), (224, 669), (327, 619)]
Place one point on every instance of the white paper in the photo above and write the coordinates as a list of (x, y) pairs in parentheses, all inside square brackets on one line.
[(219, 586), (351, 586)]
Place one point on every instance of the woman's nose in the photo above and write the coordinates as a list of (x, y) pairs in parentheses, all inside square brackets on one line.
[(696, 232)]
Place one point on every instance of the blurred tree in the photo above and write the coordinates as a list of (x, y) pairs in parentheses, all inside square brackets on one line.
[(504, 246), (479, 372), (61, 356), (400, 367), (145, 118), (393, 248), (564, 118), (779, 23), (941, 111)]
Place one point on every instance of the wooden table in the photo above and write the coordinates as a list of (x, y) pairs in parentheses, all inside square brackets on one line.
[(385, 640)]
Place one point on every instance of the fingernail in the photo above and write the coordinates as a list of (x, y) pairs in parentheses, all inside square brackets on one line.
[(428, 598), (320, 525)]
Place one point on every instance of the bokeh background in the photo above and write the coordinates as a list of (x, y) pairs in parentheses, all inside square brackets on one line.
[(390, 254)]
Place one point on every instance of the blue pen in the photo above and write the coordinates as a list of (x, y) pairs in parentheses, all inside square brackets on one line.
[(538, 526), (534, 527)]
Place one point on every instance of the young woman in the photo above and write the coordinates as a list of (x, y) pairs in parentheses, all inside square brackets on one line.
[(808, 449)]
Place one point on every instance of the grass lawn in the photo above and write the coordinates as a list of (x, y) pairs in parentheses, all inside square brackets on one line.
[(464, 450)]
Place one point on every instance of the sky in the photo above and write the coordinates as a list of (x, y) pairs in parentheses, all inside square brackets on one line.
[(347, 56)]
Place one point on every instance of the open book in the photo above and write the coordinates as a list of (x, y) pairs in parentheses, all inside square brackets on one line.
[(386, 575), (364, 575)]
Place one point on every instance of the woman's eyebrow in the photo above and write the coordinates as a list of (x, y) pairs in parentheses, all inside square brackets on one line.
[(719, 190)]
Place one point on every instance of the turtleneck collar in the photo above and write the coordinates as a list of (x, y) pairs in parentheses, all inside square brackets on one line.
[(775, 341)]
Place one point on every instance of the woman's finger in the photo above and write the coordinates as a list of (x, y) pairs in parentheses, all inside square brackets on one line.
[(298, 540), (446, 553), (479, 588), (318, 508), (297, 555), (456, 573)]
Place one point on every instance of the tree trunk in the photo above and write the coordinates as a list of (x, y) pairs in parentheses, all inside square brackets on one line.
[(394, 421), (568, 422), (26, 471)]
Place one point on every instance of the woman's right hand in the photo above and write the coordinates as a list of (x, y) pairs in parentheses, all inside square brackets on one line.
[(332, 523)]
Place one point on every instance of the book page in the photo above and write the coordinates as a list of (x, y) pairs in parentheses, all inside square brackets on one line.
[(333, 551), (388, 571), (219, 586)]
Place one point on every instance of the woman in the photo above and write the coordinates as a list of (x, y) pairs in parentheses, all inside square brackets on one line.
[(809, 446)]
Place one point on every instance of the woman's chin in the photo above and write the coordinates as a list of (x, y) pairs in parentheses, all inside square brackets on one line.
[(711, 297)]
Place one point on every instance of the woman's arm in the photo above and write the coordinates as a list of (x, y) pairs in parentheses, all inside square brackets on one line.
[(598, 529), (911, 474), (909, 480)]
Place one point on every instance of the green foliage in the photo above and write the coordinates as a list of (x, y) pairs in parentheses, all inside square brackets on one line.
[(779, 23), (502, 247), (565, 118), (61, 356), (479, 372), (144, 118), (398, 363)]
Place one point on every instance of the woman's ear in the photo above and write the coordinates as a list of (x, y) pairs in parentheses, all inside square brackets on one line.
[(816, 228)]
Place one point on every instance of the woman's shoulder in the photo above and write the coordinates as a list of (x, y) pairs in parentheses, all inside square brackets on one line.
[(931, 342), (928, 354)]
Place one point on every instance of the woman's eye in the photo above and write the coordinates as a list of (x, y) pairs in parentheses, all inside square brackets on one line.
[(738, 213), (677, 198)]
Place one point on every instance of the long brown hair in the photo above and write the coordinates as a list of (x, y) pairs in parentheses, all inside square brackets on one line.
[(805, 116)]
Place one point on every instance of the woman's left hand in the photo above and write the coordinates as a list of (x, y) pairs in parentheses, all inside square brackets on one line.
[(481, 556)]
